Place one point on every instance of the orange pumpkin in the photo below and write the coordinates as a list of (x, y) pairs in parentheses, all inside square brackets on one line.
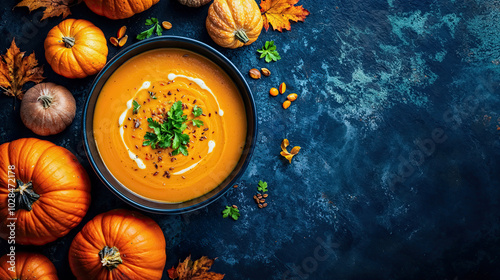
[(119, 9), (119, 244), (27, 266), (75, 48), (234, 23), (43, 189)]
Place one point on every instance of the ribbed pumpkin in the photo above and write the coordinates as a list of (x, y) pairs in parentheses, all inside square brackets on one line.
[(118, 244), (44, 188), (27, 266), (76, 48), (119, 9), (234, 23)]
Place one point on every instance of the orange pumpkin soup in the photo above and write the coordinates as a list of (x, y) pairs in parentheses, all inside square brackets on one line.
[(139, 97)]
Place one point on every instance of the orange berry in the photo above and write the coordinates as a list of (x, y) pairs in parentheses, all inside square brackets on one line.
[(286, 104), (273, 92)]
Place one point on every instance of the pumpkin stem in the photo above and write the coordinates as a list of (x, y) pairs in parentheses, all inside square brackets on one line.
[(25, 196), (46, 100), (68, 41), (110, 257), (242, 36)]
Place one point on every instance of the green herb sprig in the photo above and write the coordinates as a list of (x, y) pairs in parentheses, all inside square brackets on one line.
[(136, 107), (148, 33), (262, 186), (269, 52), (170, 132), (232, 212)]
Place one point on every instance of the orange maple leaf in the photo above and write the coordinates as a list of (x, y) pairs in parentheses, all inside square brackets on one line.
[(16, 70), (279, 13), (197, 270), (53, 8)]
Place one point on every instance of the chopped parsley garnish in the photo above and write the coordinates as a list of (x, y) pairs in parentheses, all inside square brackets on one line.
[(170, 132), (136, 107), (269, 52), (262, 186), (152, 95), (197, 111), (147, 33), (231, 212)]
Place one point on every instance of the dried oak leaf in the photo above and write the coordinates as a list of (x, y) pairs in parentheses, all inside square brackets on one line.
[(284, 152), (197, 270), (17, 69), (53, 8), (279, 13)]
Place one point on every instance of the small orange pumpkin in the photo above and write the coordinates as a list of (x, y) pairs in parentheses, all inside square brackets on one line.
[(118, 244), (44, 188), (75, 48), (234, 23), (27, 266), (119, 9)]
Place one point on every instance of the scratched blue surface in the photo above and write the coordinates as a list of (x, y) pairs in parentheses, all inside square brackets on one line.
[(397, 116)]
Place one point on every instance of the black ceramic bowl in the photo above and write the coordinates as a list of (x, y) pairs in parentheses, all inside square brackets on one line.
[(88, 132)]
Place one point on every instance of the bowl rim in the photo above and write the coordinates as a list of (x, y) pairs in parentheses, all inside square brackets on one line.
[(229, 68)]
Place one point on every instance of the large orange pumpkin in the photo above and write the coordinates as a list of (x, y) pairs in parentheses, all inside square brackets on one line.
[(119, 244), (119, 9), (75, 48), (234, 23), (44, 191), (27, 266)]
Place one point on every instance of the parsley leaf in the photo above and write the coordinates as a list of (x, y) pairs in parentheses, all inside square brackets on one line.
[(170, 133), (269, 52), (197, 123), (262, 186), (149, 32), (136, 107), (197, 111), (232, 212)]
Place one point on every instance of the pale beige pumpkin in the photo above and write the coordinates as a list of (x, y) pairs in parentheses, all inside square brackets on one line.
[(76, 48), (234, 23), (48, 109)]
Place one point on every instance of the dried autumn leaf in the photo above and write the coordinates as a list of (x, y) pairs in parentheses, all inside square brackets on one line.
[(288, 155), (53, 8), (197, 270), (279, 13), (284, 144), (295, 150), (16, 70)]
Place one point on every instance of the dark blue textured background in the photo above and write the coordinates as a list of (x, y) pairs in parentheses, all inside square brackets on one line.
[(376, 80)]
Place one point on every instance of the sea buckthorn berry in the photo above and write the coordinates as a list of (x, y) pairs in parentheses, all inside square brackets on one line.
[(292, 97), (282, 88), (286, 104), (273, 92)]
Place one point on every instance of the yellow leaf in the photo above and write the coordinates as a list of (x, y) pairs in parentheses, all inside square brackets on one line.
[(53, 8), (284, 144), (279, 13), (295, 150), (288, 155), (284, 153), (16, 70)]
